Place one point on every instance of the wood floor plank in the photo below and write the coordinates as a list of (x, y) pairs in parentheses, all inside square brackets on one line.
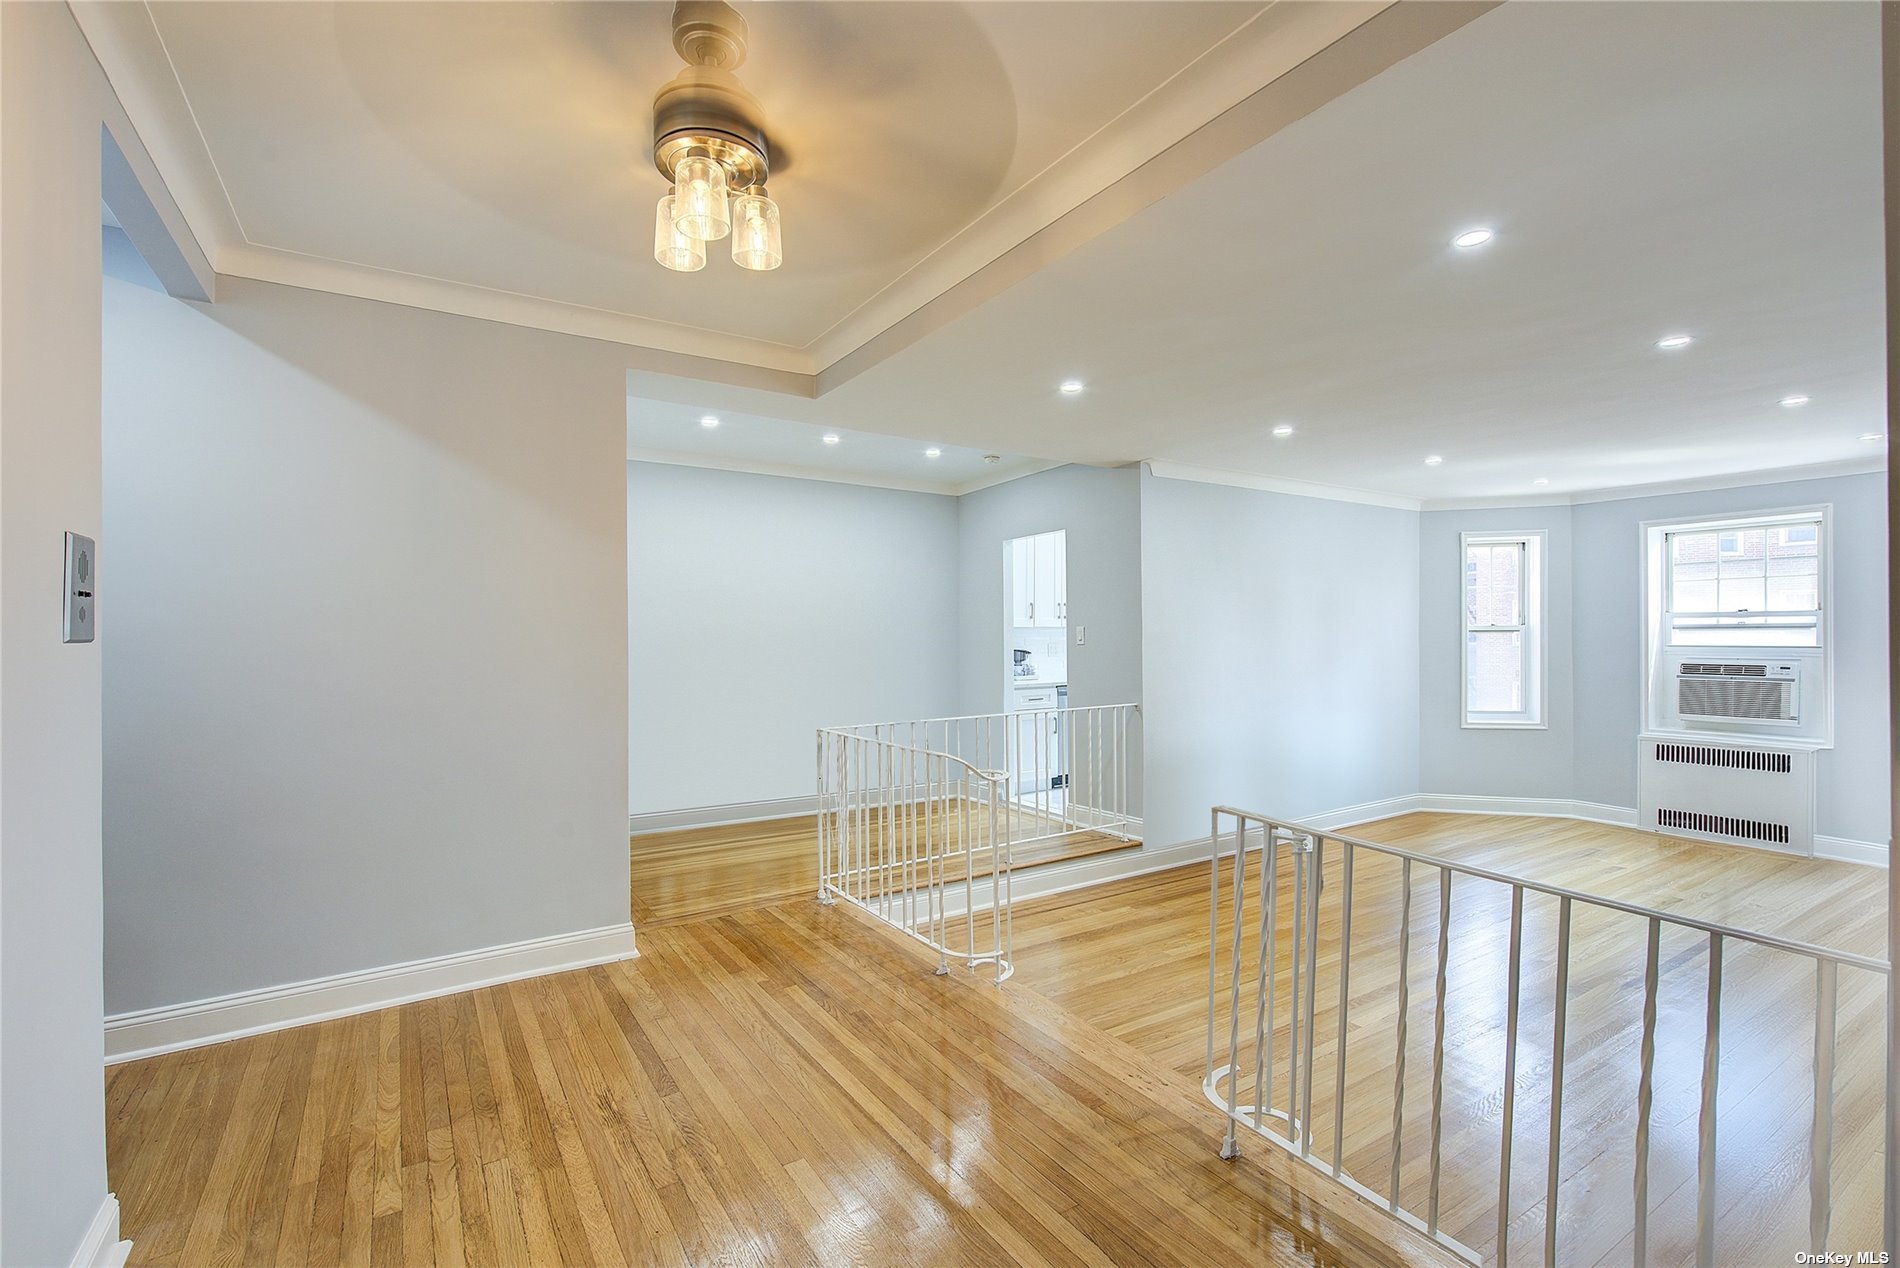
[(784, 1083)]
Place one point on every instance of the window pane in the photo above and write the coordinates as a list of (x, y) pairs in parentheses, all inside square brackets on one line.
[(1492, 584), (1494, 672), (1740, 594)]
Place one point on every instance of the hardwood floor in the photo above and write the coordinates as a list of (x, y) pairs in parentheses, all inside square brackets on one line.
[(694, 872), (1131, 958), (782, 1085)]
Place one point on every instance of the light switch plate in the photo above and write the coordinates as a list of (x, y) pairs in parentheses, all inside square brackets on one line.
[(81, 577), (1081, 635)]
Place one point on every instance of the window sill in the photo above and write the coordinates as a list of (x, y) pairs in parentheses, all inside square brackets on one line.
[(1470, 725)]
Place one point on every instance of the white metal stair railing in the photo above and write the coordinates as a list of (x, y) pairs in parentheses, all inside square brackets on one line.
[(920, 840), (1243, 1011), (1068, 771)]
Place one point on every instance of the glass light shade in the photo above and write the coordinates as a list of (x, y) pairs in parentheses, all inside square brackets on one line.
[(755, 240), (699, 198), (677, 251)]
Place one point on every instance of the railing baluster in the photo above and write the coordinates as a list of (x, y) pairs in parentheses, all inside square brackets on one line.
[(1560, 1008), (1266, 1018), (1293, 1121), (1309, 880), (1438, 1045), (1705, 1137), (1405, 998), (1232, 1147), (1510, 1074), (1821, 1147), (1213, 932), (1345, 996), (1316, 877), (1645, 1093)]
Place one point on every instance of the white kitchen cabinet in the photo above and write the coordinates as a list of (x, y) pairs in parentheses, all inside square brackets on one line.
[(1022, 585), (1038, 581), (1035, 755)]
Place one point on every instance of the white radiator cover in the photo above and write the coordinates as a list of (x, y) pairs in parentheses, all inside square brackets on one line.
[(1742, 794)]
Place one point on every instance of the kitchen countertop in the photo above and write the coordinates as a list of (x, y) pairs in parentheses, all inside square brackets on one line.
[(1038, 682)]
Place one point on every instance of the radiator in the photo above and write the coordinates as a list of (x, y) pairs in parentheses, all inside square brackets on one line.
[(1742, 794)]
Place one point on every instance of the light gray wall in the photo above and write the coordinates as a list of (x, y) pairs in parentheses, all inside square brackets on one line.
[(1851, 779), (61, 135), (365, 686), (1101, 511), (1497, 762), (1280, 653), (52, 1117), (764, 607), (58, 120)]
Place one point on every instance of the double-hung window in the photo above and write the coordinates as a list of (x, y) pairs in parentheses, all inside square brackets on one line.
[(1503, 674), (1743, 583)]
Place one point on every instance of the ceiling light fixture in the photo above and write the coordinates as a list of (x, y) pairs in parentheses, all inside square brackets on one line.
[(1540, 480), (709, 142), (933, 452), (1071, 387), (1873, 435), (709, 421), (1792, 402), (831, 438), (1669, 343), (1473, 238), (1433, 461), (1283, 430)]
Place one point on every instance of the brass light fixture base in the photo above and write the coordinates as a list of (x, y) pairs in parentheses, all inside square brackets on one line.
[(705, 107)]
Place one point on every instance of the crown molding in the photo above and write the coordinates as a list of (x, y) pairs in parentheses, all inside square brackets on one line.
[(1260, 50), (792, 471), (1274, 484), (1298, 57), (663, 348), (1167, 470), (1666, 488), (1276, 67)]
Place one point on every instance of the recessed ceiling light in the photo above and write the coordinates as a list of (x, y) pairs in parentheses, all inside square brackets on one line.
[(1540, 480), (1433, 461), (933, 452), (1672, 342), (1284, 429), (709, 420), (1873, 435), (1792, 401), (831, 438), (1473, 238), (1071, 386)]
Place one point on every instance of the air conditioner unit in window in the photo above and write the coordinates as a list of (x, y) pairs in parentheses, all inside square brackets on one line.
[(1767, 692)]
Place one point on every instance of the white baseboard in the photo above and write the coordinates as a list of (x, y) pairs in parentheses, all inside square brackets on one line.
[(1850, 851), (1844, 849), (1365, 812), (152, 1031), (101, 1247), (1548, 807), (1100, 869), (717, 816)]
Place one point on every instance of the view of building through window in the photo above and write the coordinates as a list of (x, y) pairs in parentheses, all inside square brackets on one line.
[(1494, 627), (1756, 585)]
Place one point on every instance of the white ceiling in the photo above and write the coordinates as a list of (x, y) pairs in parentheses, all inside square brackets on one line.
[(664, 431), (494, 159), (1649, 168), (1188, 205)]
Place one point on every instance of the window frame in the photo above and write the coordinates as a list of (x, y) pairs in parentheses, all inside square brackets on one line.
[(1665, 586), (1533, 580), (1659, 657)]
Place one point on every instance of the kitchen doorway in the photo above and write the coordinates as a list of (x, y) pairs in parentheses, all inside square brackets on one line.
[(1035, 662)]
